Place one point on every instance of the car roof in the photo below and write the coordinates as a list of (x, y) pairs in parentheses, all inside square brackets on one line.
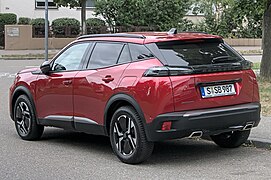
[(148, 37)]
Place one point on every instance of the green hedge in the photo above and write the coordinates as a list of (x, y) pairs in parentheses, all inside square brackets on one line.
[(24, 21), (38, 22), (5, 19), (95, 26), (67, 27), (95, 22), (38, 27), (8, 18)]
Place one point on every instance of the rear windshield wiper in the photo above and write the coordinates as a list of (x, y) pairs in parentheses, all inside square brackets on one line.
[(224, 59)]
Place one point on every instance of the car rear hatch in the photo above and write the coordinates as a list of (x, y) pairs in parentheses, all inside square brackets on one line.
[(205, 73)]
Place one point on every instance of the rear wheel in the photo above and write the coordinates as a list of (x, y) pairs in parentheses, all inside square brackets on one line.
[(231, 139), (25, 119), (128, 138)]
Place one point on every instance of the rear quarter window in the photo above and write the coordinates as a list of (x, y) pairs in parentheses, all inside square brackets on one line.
[(140, 52), (125, 55)]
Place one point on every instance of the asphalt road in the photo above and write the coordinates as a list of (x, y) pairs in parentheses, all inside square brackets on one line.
[(67, 155)]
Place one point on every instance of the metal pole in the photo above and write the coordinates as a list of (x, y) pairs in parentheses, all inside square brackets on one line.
[(46, 30)]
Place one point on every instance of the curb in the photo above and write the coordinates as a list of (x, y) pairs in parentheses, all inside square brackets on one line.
[(259, 143), (27, 58), (251, 54), (251, 142)]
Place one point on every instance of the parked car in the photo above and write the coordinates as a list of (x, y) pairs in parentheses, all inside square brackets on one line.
[(140, 88)]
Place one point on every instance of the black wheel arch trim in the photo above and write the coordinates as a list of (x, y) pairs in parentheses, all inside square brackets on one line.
[(127, 98), (25, 91)]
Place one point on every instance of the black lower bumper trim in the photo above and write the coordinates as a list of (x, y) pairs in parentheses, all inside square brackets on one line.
[(209, 121)]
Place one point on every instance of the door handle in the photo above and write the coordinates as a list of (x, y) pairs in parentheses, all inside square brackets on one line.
[(67, 82), (108, 79)]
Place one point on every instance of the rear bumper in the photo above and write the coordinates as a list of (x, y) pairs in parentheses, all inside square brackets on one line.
[(209, 121)]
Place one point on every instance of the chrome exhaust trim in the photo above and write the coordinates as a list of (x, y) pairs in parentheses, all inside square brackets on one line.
[(248, 126), (196, 134)]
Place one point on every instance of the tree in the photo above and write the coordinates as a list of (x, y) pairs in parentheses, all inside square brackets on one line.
[(252, 18), (76, 3), (265, 71), (258, 15), (161, 13), (249, 17), (218, 17), (221, 17)]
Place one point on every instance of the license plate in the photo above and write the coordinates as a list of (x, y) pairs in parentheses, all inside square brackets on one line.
[(218, 90)]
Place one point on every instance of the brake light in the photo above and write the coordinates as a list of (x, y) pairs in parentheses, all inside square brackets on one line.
[(162, 71)]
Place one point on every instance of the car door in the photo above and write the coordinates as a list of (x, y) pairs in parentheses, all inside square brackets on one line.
[(96, 84), (54, 101)]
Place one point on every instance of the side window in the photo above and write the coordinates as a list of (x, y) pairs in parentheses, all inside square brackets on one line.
[(140, 52), (71, 58), (125, 55), (104, 55)]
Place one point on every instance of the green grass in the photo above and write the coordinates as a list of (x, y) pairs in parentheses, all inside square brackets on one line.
[(256, 66), (265, 94), (265, 91)]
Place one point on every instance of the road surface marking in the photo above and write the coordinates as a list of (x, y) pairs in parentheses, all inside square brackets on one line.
[(7, 75)]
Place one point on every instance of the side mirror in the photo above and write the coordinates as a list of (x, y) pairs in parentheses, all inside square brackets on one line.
[(45, 67)]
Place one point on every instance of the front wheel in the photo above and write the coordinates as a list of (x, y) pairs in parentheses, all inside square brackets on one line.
[(231, 139), (128, 138), (25, 119)]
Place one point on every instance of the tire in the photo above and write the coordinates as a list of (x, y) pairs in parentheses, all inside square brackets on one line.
[(25, 119), (232, 139), (128, 138)]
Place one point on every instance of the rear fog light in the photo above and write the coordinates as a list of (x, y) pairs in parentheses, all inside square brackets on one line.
[(166, 126)]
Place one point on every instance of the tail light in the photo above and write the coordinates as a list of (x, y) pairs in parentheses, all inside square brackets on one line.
[(167, 71), (162, 71)]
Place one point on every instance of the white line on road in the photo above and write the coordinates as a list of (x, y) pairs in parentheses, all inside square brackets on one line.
[(31, 66), (8, 75)]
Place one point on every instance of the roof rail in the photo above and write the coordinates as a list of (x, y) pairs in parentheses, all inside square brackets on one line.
[(200, 32), (173, 31), (124, 35)]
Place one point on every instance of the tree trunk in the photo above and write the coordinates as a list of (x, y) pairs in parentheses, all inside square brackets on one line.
[(266, 59), (83, 17)]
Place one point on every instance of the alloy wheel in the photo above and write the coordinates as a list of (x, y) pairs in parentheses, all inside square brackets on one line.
[(125, 135), (23, 118)]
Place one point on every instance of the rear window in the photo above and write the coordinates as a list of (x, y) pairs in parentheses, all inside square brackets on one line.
[(202, 52)]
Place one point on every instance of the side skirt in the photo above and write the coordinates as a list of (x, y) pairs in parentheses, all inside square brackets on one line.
[(77, 124), (88, 126)]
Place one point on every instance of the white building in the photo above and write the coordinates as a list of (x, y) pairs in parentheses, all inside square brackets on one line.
[(35, 9)]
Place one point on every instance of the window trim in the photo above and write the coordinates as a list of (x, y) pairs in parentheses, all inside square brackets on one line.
[(87, 7), (43, 7), (90, 6)]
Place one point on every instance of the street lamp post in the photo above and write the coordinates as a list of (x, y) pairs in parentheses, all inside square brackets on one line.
[(46, 30)]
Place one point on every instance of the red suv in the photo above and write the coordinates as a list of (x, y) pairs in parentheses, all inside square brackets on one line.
[(139, 88)]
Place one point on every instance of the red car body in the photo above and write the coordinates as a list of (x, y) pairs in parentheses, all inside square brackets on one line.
[(170, 106)]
